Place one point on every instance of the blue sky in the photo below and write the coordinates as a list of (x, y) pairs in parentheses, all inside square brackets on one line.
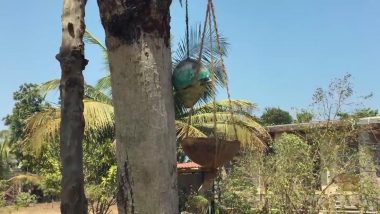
[(280, 50)]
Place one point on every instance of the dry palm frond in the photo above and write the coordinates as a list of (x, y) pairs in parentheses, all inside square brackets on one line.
[(27, 178)]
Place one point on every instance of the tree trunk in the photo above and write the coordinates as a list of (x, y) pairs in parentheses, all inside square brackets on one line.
[(71, 58), (138, 42)]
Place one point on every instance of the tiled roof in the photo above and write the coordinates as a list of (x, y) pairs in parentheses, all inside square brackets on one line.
[(190, 165)]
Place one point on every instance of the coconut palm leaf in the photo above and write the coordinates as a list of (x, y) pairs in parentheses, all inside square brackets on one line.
[(238, 106), (180, 54), (245, 134), (89, 38), (104, 84), (95, 94), (195, 36), (249, 132), (243, 107), (44, 126), (90, 92), (181, 129), (49, 86)]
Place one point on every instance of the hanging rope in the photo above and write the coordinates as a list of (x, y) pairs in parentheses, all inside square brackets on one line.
[(214, 94), (210, 19), (212, 11), (187, 29), (199, 67)]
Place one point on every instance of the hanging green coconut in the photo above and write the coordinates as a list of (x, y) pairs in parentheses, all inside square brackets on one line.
[(189, 80)]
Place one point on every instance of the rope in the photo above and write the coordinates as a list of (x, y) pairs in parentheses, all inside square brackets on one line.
[(223, 65), (199, 67), (214, 95), (189, 122), (187, 30)]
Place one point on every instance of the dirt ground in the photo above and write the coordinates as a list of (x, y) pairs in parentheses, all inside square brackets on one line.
[(46, 208)]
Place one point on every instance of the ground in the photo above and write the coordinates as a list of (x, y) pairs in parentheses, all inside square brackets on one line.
[(46, 208)]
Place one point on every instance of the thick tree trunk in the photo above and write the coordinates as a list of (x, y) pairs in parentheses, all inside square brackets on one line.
[(138, 42), (71, 58)]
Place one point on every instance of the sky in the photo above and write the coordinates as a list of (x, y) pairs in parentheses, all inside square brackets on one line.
[(280, 51)]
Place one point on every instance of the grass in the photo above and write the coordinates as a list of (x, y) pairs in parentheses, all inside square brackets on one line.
[(45, 208)]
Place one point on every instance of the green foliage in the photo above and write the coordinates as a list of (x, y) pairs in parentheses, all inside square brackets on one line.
[(359, 113), (102, 196), (304, 116), (293, 176), (4, 154), (3, 202), (197, 204), (275, 116), (51, 180), (239, 190), (28, 101), (24, 199), (290, 174), (98, 159)]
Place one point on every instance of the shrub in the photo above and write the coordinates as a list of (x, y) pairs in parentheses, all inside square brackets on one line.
[(24, 199), (197, 204)]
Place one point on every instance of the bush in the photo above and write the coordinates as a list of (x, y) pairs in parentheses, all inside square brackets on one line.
[(3, 202), (102, 196), (51, 184), (197, 204), (24, 199)]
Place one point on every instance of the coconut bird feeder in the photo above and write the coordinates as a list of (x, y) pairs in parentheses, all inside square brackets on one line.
[(190, 79)]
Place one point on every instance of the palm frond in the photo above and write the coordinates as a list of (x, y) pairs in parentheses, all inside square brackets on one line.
[(243, 107), (41, 128), (44, 126), (245, 134), (99, 118), (237, 106), (89, 91), (195, 36), (89, 38), (104, 84), (48, 86), (181, 129), (97, 95), (249, 132)]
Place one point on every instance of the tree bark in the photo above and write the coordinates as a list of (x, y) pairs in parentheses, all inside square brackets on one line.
[(138, 43), (73, 62)]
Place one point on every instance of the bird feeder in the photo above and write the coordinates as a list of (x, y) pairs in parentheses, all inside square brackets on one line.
[(190, 80)]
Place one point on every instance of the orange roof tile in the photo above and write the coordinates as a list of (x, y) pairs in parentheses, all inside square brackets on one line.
[(189, 165)]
